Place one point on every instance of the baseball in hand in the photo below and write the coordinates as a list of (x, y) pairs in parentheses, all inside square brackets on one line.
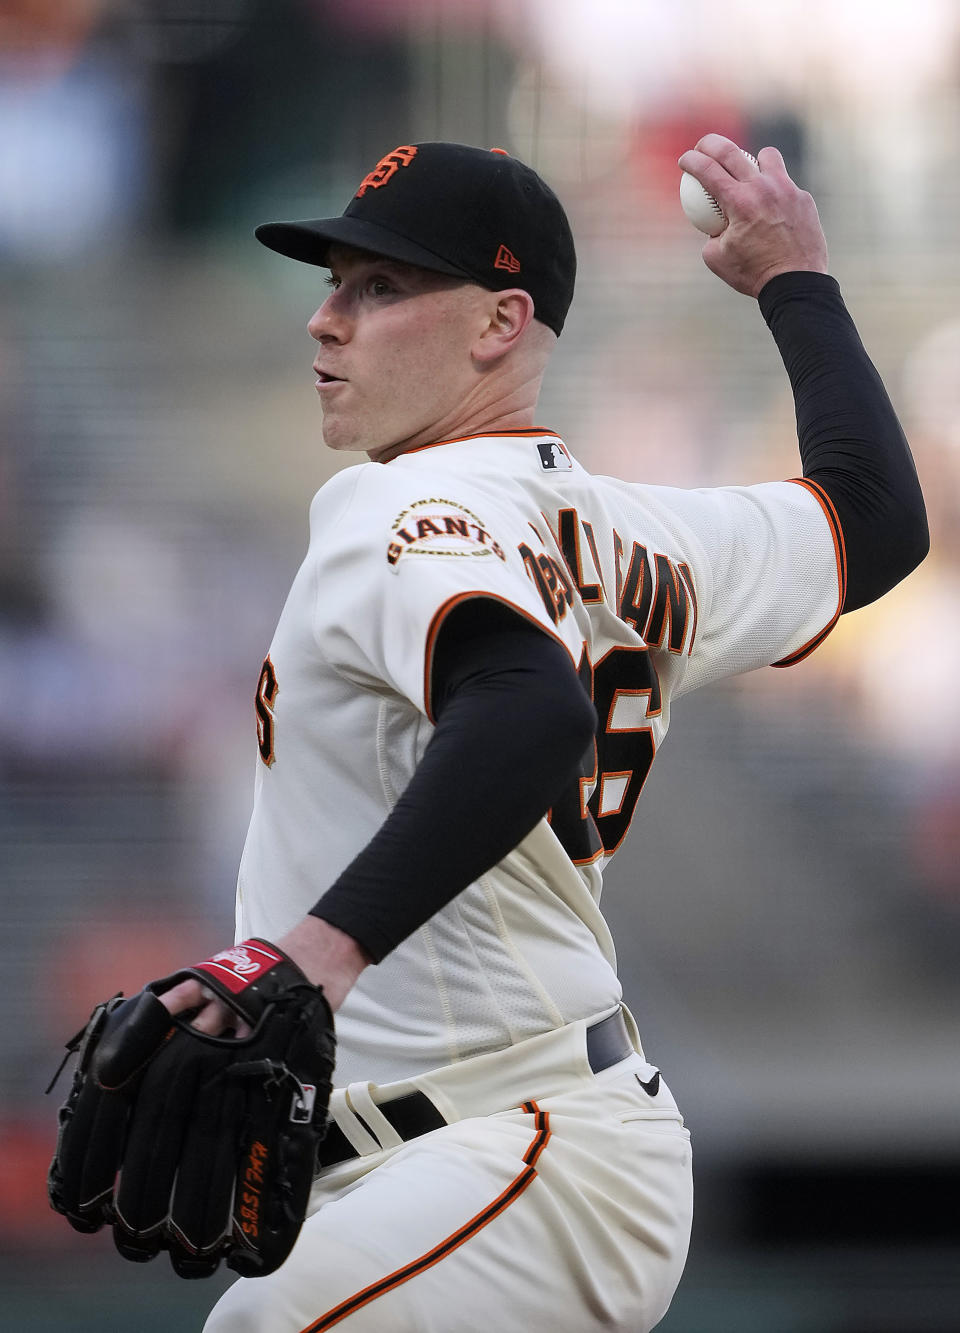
[(700, 207)]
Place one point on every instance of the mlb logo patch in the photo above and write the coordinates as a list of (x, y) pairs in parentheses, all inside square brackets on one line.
[(554, 457)]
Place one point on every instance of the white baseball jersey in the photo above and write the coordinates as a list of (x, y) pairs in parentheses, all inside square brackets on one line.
[(652, 591)]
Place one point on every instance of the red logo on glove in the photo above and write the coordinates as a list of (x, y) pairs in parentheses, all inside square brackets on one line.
[(236, 968)]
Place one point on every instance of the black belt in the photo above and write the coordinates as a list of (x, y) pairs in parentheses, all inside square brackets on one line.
[(608, 1042)]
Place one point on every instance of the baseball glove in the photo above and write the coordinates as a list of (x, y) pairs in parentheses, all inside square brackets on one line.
[(202, 1146)]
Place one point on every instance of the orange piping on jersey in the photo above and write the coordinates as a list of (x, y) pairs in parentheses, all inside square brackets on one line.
[(840, 551), (440, 616), (525, 431), (456, 1239), (833, 518)]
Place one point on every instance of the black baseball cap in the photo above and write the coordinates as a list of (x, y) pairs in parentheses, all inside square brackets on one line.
[(472, 212)]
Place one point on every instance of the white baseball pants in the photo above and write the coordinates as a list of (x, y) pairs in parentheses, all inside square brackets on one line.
[(568, 1213)]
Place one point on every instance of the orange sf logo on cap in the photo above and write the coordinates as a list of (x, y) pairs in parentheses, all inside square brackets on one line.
[(387, 167)]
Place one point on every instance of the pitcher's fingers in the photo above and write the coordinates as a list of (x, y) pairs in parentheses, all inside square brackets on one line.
[(730, 156), (188, 994), (217, 1019), (714, 178), (772, 163), (210, 1015)]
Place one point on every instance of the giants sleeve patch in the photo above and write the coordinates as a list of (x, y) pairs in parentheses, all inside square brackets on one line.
[(441, 528)]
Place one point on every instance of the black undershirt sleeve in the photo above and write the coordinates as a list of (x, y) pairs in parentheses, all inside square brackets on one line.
[(512, 725), (851, 442)]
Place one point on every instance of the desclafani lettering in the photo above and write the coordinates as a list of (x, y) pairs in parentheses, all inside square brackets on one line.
[(658, 600)]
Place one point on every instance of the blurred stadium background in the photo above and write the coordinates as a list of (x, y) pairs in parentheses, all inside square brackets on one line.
[(788, 905)]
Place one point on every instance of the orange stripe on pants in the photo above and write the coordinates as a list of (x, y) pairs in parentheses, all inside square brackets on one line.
[(451, 1242)]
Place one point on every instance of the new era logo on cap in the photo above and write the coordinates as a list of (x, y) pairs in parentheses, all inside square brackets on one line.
[(506, 260)]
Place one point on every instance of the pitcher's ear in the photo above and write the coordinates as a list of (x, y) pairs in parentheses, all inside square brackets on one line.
[(511, 312)]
